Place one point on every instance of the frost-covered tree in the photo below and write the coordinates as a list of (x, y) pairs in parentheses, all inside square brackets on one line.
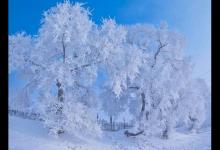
[(121, 59), (161, 76), (194, 104), (20, 60), (61, 59), (147, 73)]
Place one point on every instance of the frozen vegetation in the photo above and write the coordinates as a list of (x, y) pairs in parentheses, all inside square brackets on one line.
[(147, 82)]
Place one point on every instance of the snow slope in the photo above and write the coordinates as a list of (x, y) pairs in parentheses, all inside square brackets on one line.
[(31, 135)]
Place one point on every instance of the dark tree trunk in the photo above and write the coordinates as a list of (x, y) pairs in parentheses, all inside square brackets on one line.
[(143, 105), (143, 102), (60, 93), (147, 114), (60, 97), (111, 122), (193, 120), (165, 134), (97, 117)]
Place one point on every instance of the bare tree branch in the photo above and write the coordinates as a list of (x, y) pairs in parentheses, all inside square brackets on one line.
[(34, 63), (64, 48), (127, 133), (161, 45), (134, 87)]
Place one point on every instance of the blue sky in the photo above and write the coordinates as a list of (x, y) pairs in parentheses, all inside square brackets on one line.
[(190, 17)]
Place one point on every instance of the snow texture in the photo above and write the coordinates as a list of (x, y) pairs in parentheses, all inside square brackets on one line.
[(25, 134)]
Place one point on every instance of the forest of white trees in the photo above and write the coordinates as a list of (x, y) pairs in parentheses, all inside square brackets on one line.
[(148, 75)]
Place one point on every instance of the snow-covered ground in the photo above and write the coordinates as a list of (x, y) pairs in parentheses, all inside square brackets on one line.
[(27, 134)]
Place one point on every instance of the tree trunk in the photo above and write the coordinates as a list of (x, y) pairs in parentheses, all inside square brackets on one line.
[(166, 131), (60, 94), (127, 133), (143, 104), (147, 114), (97, 117), (60, 97), (111, 122), (194, 123)]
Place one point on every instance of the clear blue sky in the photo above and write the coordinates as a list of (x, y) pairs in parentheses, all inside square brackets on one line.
[(190, 17)]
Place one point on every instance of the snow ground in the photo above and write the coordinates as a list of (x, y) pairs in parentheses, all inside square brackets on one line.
[(27, 134)]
